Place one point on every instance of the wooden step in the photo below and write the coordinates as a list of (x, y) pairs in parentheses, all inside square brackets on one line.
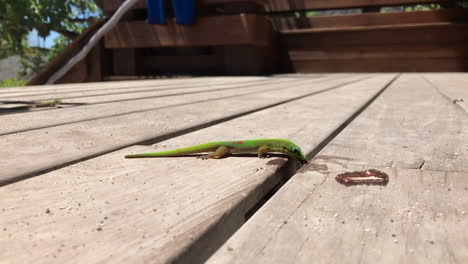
[(110, 6), (207, 31)]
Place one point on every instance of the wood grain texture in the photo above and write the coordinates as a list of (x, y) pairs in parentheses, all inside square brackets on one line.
[(376, 35), (419, 217), (295, 5), (414, 135), (453, 64), (110, 6), (60, 145), (452, 86), (116, 106), (109, 209), (422, 51), (438, 47), (98, 86), (410, 126), (244, 29), (370, 19), (139, 91)]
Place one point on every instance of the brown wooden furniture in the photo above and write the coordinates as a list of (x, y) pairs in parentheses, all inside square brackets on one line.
[(372, 41), (225, 31), (242, 37)]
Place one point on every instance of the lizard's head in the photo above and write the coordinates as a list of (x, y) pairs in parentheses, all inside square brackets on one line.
[(296, 152)]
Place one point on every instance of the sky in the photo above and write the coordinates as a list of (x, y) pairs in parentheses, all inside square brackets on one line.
[(35, 41)]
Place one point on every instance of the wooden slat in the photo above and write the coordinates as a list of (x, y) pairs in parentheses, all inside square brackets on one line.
[(371, 19), (208, 31), (102, 88), (296, 5), (453, 64), (424, 47), (144, 77), (98, 107), (61, 145), (377, 35), (452, 86), (110, 6), (315, 219), (423, 51), (144, 92), (110, 209), (410, 132)]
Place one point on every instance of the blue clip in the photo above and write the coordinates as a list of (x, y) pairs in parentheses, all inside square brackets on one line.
[(184, 11), (156, 12)]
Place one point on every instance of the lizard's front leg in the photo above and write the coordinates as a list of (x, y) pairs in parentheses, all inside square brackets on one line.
[(262, 150), (220, 152)]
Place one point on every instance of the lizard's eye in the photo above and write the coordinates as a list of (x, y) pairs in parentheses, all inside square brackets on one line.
[(296, 151)]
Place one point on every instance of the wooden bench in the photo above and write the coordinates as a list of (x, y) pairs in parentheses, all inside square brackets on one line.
[(227, 38), (233, 37), (371, 41)]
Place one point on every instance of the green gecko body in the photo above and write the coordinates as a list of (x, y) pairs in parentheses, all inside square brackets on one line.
[(51, 103), (221, 149)]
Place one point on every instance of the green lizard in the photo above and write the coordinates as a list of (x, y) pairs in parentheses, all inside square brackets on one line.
[(45, 104), (221, 149)]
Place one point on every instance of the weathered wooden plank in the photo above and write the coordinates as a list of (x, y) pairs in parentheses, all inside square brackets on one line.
[(370, 19), (361, 49), (452, 86), (60, 145), (295, 5), (116, 107), (443, 51), (383, 65), (376, 35), (410, 126), (110, 6), (95, 89), (419, 217), (109, 209), (147, 91), (417, 138), (244, 29), (143, 77), (115, 85)]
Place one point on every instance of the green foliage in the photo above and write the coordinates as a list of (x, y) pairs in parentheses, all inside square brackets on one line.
[(59, 44), (19, 17), (11, 82), (312, 13), (426, 7)]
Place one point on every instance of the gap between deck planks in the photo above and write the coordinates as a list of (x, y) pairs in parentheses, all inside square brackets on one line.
[(25, 121), (452, 86), (126, 92), (60, 146), (111, 209), (420, 140)]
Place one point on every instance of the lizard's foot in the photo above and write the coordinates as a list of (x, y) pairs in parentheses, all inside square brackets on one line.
[(204, 157)]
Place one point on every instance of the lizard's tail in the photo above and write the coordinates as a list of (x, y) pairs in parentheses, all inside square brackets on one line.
[(207, 147)]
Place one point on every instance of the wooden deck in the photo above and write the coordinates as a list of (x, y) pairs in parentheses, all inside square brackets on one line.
[(68, 195)]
